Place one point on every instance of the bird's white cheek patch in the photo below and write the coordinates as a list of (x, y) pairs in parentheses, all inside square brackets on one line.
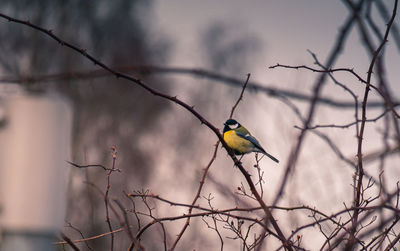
[(234, 126)]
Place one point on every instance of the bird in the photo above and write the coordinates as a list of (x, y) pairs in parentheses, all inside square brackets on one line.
[(239, 139)]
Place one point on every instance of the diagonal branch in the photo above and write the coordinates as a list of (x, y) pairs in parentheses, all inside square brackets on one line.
[(196, 197), (316, 93), (240, 96), (360, 175), (332, 70), (194, 72), (269, 218)]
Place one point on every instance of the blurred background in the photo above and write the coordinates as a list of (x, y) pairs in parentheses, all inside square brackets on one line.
[(56, 106)]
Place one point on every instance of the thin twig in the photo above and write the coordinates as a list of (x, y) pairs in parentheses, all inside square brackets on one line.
[(106, 201), (92, 165), (240, 96), (296, 67), (69, 242), (196, 197), (200, 73), (316, 93), (92, 237), (126, 225), (81, 234), (350, 243)]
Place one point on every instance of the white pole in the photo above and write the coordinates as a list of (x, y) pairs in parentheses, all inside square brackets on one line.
[(34, 145)]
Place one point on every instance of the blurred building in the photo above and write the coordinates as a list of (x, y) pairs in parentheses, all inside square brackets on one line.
[(35, 141)]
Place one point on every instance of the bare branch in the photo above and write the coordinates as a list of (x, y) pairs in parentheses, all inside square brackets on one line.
[(240, 96), (197, 196), (92, 165)]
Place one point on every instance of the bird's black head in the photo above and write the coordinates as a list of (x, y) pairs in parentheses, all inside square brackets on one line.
[(231, 124)]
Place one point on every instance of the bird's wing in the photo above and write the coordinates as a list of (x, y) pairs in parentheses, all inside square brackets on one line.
[(256, 144), (247, 135), (242, 130)]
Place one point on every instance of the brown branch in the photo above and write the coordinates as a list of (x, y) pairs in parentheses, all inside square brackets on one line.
[(69, 242), (202, 214), (173, 203), (278, 65), (135, 241), (200, 73), (197, 196), (351, 123), (92, 237), (385, 14), (368, 211), (81, 234), (392, 243), (240, 96), (325, 217), (360, 175), (215, 228), (92, 165), (228, 212), (316, 92), (106, 201), (348, 90), (269, 217), (330, 71), (381, 236)]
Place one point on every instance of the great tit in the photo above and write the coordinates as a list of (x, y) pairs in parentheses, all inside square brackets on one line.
[(240, 140)]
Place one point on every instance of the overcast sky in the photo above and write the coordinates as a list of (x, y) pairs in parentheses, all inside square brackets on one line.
[(286, 29)]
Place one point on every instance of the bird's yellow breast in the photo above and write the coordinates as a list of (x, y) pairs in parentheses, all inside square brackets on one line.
[(237, 143)]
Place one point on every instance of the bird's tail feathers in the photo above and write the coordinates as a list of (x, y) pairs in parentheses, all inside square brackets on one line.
[(260, 150), (271, 157)]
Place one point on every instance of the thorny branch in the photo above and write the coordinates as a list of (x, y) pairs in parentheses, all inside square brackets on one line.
[(320, 82), (269, 217), (351, 224), (240, 96), (360, 175), (197, 196), (199, 73)]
